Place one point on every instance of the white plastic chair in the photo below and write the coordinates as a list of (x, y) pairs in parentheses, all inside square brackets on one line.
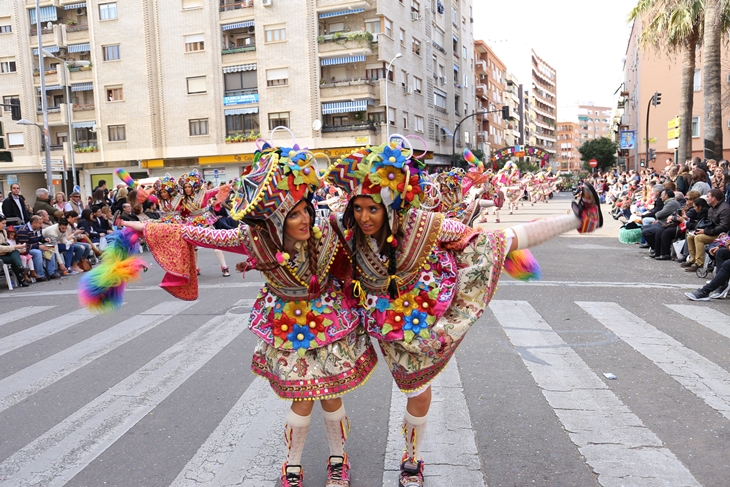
[(6, 272)]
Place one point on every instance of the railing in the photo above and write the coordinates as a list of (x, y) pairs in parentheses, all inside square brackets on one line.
[(228, 5), (77, 28), (235, 50), (442, 110), (44, 31), (56, 147), (79, 107), (349, 128), (438, 47), (250, 91), (347, 82)]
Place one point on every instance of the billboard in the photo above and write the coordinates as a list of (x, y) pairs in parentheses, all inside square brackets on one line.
[(628, 139)]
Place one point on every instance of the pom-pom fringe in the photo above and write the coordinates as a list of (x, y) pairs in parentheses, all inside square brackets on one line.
[(521, 265)]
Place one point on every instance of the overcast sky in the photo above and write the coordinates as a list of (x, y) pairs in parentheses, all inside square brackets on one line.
[(584, 40)]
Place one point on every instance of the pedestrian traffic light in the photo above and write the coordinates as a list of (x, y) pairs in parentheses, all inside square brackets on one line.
[(656, 99), (15, 109), (652, 154), (505, 112)]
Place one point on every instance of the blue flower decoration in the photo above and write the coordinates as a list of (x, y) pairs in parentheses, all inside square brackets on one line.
[(300, 156), (398, 159), (279, 306), (300, 337), (382, 304), (318, 306), (415, 322)]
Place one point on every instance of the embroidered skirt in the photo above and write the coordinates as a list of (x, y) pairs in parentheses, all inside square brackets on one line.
[(322, 373), (414, 365)]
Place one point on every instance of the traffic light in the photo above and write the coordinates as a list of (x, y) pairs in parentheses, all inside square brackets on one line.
[(505, 112), (656, 99), (652, 154), (15, 109)]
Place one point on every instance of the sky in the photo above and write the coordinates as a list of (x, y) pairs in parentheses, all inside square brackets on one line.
[(584, 40)]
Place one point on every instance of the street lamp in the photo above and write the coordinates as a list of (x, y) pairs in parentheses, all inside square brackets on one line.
[(387, 108), (69, 64)]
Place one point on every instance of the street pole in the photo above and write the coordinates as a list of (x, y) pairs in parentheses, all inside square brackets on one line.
[(648, 107), (453, 138), (44, 104), (69, 113), (387, 107)]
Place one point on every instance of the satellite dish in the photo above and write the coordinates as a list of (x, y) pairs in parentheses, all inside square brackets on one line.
[(49, 26), (316, 125)]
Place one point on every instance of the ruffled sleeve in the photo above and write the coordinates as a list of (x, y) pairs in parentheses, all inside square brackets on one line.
[(176, 257), (211, 238), (455, 235)]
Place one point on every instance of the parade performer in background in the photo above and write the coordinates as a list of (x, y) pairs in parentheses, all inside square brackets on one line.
[(423, 279), (311, 343)]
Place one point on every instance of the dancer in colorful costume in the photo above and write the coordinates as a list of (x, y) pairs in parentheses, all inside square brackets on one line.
[(423, 280), (311, 342)]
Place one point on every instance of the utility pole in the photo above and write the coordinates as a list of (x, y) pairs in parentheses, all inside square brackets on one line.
[(655, 100)]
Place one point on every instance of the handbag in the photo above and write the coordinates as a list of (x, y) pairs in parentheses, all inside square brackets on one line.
[(48, 254), (704, 223), (85, 265)]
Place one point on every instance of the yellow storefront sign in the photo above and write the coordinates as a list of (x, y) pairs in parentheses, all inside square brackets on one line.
[(233, 159), (673, 123), (673, 134), (153, 163)]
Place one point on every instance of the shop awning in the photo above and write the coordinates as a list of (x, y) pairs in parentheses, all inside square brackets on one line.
[(343, 60), (240, 67), (344, 107), (74, 5), (237, 25), (82, 87), (241, 111), (84, 125), (51, 49), (79, 47), (48, 14), (327, 15)]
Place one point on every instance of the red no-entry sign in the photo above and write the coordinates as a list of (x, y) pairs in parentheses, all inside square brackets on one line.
[(593, 163)]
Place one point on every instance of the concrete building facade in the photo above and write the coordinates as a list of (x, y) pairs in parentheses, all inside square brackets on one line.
[(490, 87), (545, 106), (180, 84), (569, 140), (594, 122)]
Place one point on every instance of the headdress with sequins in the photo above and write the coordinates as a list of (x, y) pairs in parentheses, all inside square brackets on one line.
[(193, 178), (167, 183)]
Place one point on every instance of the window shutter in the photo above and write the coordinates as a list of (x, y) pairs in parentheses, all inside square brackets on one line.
[(279, 73), (197, 85)]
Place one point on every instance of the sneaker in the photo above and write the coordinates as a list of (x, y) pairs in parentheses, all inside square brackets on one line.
[(720, 293), (411, 475), (686, 263), (691, 268), (698, 295), (226, 272), (338, 471), (292, 475)]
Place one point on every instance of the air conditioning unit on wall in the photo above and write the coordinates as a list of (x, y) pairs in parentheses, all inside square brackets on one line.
[(267, 3), (414, 16)]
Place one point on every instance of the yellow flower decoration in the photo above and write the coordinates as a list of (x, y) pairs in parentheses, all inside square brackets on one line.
[(309, 175), (390, 177), (405, 304), (297, 310)]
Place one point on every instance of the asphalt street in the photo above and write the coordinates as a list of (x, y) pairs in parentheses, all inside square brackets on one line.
[(160, 393)]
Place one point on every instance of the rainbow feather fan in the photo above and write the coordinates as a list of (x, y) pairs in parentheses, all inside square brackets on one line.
[(521, 265), (124, 176), (102, 288), (471, 159)]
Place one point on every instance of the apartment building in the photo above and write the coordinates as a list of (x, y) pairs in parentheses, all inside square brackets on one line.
[(180, 84), (544, 91), (490, 87), (569, 140), (595, 122), (513, 133)]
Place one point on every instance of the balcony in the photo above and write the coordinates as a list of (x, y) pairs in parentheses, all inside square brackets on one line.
[(482, 91), (235, 11), (359, 88), (77, 33), (51, 76), (340, 41), (227, 5), (56, 36), (480, 67), (354, 127), (438, 47), (239, 55), (54, 116), (335, 5)]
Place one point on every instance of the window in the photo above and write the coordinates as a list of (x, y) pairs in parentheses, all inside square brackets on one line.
[(439, 99), (438, 36), (417, 84), (373, 26), (695, 127), (111, 53), (463, 52), (405, 120), (377, 117), (375, 71), (15, 140), (391, 116), (336, 27), (186, 4), (415, 6), (242, 82), (7, 100), (466, 81), (275, 33), (279, 119), (698, 80), (340, 120), (196, 85), (198, 126), (245, 123), (194, 42), (114, 93), (277, 77), (6, 29), (7, 66), (388, 27), (402, 37), (416, 46), (108, 11), (419, 124), (403, 78), (117, 133)]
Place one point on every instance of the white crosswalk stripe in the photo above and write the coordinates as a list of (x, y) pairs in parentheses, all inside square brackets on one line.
[(613, 440), (21, 313), (246, 447)]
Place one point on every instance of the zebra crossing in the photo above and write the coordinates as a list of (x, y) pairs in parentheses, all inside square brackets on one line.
[(245, 447)]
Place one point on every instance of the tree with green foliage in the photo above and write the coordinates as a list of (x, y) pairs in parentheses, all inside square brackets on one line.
[(602, 150)]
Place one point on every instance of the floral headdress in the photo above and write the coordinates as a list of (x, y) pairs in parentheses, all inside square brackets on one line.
[(193, 178), (167, 183), (279, 179)]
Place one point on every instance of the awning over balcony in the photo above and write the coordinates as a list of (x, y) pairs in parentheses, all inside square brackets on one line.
[(79, 47), (456, 38), (332, 61), (327, 15), (344, 107), (237, 25), (51, 49), (241, 111), (52, 88), (74, 5), (456, 67), (84, 125), (240, 67), (82, 87), (48, 14)]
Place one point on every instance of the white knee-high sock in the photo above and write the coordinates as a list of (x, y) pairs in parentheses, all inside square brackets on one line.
[(540, 231), (221, 257), (295, 434), (337, 425), (413, 429)]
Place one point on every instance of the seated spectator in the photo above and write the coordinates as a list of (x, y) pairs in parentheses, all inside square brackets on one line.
[(127, 214), (85, 225), (59, 200), (650, 215), (99, 222), (77, 235), (137, 211), (10, 254), (652, 232), (45, 218), (719, 222), (74, 203), (30, 235), (25, 257), (43, 202), (719, 286), (699, 182), (150, 209), (56, 235)]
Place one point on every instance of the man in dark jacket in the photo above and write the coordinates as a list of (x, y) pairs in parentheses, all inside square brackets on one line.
[(719, 215), (652, 231), (30, 234), (43, 202), (14, 207)]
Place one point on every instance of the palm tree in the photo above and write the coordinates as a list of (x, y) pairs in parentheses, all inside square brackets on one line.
[(675, 26), (714, 29)]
